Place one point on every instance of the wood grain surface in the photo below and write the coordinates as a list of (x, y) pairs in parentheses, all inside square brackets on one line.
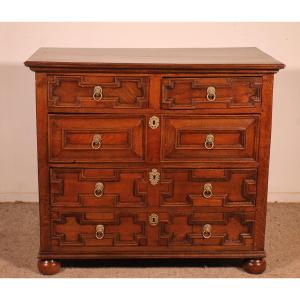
[(194, 58), (190, 184)]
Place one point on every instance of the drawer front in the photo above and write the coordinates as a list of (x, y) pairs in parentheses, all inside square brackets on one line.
[(210, 138), (147, 231), (200, 93), (98, 91), (98, 188), (96, 138), (93, 229), (129, 188), (207, 231), (208, 187)]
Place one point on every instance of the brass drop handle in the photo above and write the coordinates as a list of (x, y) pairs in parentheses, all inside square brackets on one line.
[(209, 141), (207, 190), (99, 188), (99, 232), (206, 231), (211, 93), (153, 219), (96, 142), (97, 95)]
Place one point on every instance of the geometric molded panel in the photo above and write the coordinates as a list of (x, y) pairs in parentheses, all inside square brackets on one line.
[(78, 230), (230, 230), (230, 187), (75, 187), (71, 136), (231, 92), (117, 91), (235, 138)]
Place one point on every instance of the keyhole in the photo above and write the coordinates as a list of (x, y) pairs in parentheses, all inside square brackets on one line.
[(153, 122), (153, 219)]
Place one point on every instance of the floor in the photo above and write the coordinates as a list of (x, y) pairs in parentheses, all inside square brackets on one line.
[(19, 236)]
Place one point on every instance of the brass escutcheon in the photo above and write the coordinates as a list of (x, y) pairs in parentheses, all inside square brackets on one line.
[(207, 190), (154, 122), (99, 232), (97, 95), (96, 142), (99, 188), (206, 231), (154, 177), (153, 219), (211, 93), (209, 141)]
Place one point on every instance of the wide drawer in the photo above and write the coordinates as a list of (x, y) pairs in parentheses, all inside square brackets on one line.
[(210, 138), (211, 92), (142, 187), (96, 138), (98, 91), (151, 231)]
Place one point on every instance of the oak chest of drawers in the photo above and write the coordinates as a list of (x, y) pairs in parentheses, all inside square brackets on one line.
[(153, 153)]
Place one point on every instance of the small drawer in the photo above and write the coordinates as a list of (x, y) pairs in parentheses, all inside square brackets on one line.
[(208, 187), (211, 92), (97, 91), (102, 188), (210, 138), (96, 138)]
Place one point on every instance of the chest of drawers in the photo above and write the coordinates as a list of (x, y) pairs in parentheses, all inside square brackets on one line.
[(153, 153)]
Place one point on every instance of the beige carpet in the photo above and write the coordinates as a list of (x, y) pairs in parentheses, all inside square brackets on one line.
[(19, 236)]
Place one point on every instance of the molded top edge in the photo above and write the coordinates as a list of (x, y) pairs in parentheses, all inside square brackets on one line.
[(153, 58)]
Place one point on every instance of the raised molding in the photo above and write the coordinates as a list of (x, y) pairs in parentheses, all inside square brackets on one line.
[(117, 90), (194, 92)]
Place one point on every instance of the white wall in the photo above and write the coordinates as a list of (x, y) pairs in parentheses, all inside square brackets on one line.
[(18, 175)]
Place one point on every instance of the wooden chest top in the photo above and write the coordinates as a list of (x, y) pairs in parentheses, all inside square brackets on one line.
[(152, 58)]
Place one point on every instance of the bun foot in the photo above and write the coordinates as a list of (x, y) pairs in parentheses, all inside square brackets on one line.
[(255, 266), (49, 267)]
